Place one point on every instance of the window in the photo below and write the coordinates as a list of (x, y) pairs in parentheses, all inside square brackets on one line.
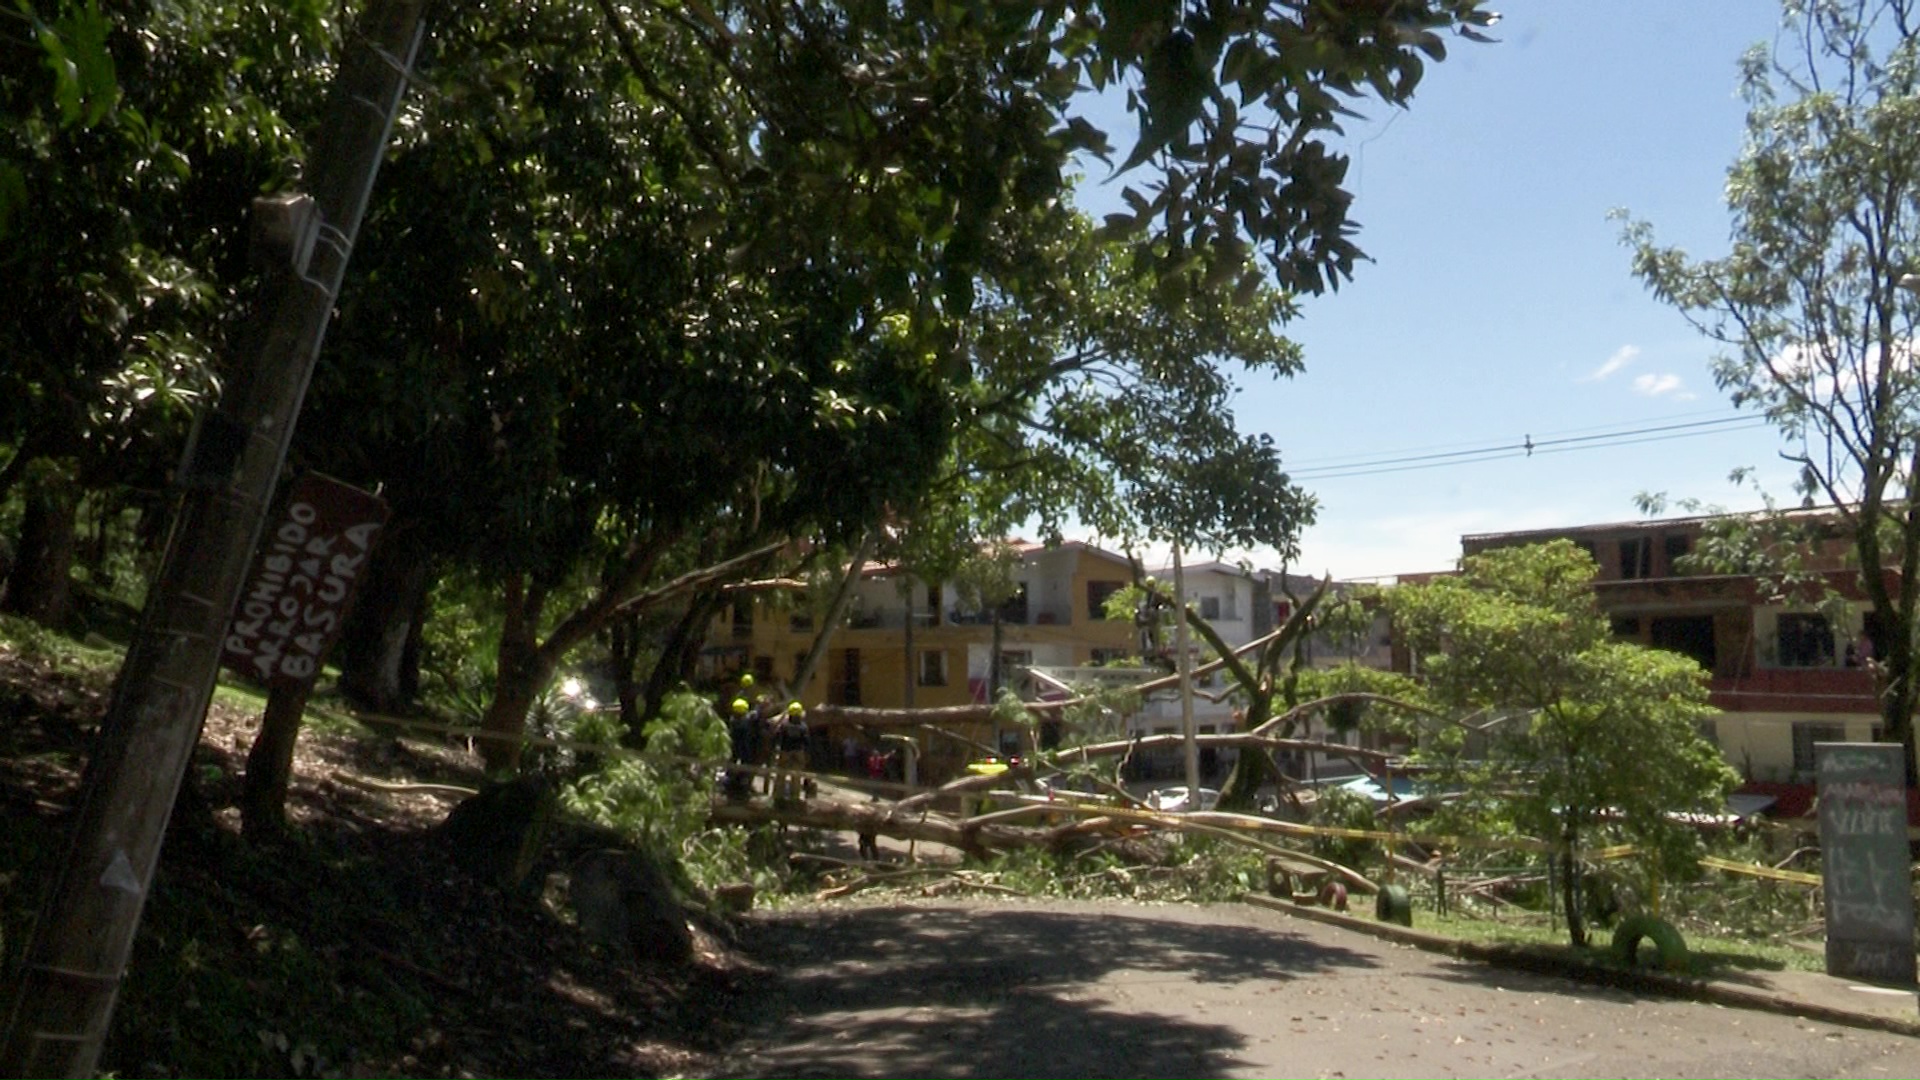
[(1803, 640), (1805, 734), (1689, 635), (1015, 609), (933, 667), (1013, 658), (1098, 593), (1626, 626), (1636, 558), (1674, 546), (1210, 607)]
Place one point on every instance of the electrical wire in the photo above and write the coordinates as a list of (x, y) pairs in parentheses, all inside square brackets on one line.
[(1373, 457), (1529, 447)]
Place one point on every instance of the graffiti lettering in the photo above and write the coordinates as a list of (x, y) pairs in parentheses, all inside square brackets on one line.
[(302, 580)]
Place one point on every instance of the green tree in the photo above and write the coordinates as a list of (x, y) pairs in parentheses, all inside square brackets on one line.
[(1811, 306), (131, 139), (1272, 679), (1591, 735), (1076, 354)]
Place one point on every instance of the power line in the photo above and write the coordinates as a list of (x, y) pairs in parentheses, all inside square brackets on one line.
[(1528, 447), (1373, 458)]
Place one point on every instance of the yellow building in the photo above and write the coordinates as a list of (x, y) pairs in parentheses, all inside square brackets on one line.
[(907, 642)]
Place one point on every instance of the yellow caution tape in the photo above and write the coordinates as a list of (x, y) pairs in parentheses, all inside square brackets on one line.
[(1794, 876)]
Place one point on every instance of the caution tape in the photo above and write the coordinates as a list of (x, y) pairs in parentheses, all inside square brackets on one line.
[(1795, 877)]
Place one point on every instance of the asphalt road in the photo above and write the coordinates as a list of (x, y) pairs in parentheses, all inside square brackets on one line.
[(953, 989)]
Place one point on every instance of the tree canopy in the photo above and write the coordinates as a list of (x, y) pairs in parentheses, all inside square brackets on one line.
[(1813, 305), (645, 288), (1573, 732)]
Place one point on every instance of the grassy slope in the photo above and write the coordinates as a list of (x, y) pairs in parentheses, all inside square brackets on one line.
[(353, 948)]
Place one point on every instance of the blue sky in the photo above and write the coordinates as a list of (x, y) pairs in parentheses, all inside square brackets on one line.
[(1499, 304)]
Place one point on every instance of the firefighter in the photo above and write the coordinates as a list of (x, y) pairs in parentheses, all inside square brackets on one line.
[(743, 733), (790, 753)]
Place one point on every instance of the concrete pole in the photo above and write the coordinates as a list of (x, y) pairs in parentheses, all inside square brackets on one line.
[(1184, 655), (81, 941)]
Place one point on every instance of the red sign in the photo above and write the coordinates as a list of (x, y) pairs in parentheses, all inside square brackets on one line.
[(302, 580)]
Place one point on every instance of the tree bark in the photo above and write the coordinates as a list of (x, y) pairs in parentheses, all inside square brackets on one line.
[(1891, 627), (380, 641), (1251, 767), (526, 663), (842, 596), (522, 668), (677, 660), (40, 587), (1570, 891), (623, 649), (263, 795)]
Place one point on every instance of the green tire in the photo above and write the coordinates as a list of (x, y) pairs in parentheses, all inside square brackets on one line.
[(1392, 904), (1637, 928)]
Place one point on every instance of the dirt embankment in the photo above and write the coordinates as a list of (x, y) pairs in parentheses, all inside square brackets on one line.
[(354, 947)]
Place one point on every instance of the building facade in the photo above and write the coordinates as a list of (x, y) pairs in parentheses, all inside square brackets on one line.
[(909, 643), (1784, 675)]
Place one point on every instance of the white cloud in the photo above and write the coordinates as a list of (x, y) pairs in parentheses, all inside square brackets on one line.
[(1651, 385), (1624, 355)]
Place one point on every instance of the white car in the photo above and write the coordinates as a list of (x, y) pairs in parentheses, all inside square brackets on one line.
[(1174, 800)]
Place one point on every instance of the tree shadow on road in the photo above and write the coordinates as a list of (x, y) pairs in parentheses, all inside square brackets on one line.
[(1007, 991), (1596, 981)]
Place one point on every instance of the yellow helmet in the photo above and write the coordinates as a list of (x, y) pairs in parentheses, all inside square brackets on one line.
[(794, 708), (739, 706), (746, 679)]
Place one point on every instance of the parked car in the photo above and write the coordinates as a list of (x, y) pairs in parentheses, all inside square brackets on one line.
[(1175, 800)]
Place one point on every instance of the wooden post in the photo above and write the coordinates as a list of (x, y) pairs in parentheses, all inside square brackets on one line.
[(81, 941)]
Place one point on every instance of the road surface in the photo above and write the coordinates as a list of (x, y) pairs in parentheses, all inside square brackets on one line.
[(1064, 989)]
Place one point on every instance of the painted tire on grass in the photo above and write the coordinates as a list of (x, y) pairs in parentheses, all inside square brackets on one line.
[(1637, 928), (1392, 904)]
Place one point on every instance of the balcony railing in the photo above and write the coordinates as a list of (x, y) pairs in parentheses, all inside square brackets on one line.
[(1817, 690), (889, 619), (1034, 616)]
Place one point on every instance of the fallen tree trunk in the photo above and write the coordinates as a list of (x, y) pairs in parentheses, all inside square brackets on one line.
[(1241, 740), (879, 819), (989, 832), (907, 718)]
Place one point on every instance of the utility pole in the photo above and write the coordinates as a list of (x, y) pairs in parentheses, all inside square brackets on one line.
[(81, 941), (1183, 644)]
